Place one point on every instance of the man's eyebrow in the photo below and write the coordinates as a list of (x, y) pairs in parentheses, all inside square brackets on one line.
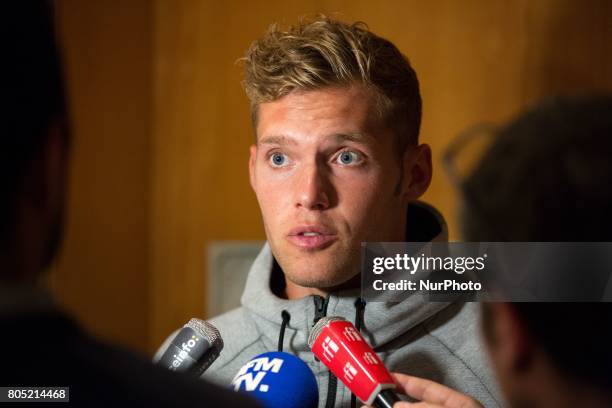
[(336, 137), (276, 140), (352, 137)]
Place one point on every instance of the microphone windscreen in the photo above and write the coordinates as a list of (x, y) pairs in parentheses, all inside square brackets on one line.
[(207, 331), (193, 349), (278, 379)]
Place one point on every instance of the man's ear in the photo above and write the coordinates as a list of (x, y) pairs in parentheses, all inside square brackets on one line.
[(417, 169), (510, 345), (252, 159)]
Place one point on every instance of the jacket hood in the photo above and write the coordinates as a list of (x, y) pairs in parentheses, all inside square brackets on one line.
[(382, 322)]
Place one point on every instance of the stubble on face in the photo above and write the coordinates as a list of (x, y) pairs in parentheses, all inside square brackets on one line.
[(324, 162)]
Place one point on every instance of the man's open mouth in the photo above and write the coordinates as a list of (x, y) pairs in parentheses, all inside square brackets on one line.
[(312, 237)]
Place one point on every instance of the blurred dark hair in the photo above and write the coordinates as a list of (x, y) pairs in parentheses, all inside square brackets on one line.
[(548, 177), (32, 90)]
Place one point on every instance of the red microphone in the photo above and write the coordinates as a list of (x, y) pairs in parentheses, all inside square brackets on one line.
[(340, 346)]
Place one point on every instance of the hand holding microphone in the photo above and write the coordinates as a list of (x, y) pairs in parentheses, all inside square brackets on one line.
[(431, 394), (340, 346)]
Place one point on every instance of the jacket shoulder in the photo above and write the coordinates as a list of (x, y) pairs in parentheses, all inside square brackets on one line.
[(457, 329), (238, 332), (241, 342)]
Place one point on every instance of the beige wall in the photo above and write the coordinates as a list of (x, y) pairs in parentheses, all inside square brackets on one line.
[(151, 187)]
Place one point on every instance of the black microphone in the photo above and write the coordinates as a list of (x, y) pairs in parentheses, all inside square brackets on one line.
[(193, 349)]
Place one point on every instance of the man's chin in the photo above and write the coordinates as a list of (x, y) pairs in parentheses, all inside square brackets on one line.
[(325, 269), (323, 279)]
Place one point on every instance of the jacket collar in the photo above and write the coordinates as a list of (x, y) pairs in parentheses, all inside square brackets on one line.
[(383, 322)]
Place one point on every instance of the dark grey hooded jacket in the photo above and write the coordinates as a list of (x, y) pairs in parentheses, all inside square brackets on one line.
[(434, 340)]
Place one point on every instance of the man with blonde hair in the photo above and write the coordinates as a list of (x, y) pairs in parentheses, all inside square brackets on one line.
[(337, 162)]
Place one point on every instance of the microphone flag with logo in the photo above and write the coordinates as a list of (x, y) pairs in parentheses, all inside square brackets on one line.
[(340, 346), (277, 379)]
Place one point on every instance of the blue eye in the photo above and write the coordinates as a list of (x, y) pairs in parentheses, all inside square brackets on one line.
[(278, 159), (348, 157)]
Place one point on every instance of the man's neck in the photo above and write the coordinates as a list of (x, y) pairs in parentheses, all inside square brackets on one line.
[(293, 291)]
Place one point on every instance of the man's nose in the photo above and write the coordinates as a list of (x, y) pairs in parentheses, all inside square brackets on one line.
[(314, 188)]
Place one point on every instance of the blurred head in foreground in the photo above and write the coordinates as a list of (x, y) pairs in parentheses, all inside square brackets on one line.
[(33, 144), (33, 167), (548, 177)]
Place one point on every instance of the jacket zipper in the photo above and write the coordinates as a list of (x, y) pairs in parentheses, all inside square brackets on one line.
[(320, 307), (332, 384)]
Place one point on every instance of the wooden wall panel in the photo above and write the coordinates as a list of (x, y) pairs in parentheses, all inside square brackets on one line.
[(162, 126), (477, 61), (102, 275)]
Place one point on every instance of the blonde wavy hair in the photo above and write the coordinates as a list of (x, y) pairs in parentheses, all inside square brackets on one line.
[(322, 52)]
